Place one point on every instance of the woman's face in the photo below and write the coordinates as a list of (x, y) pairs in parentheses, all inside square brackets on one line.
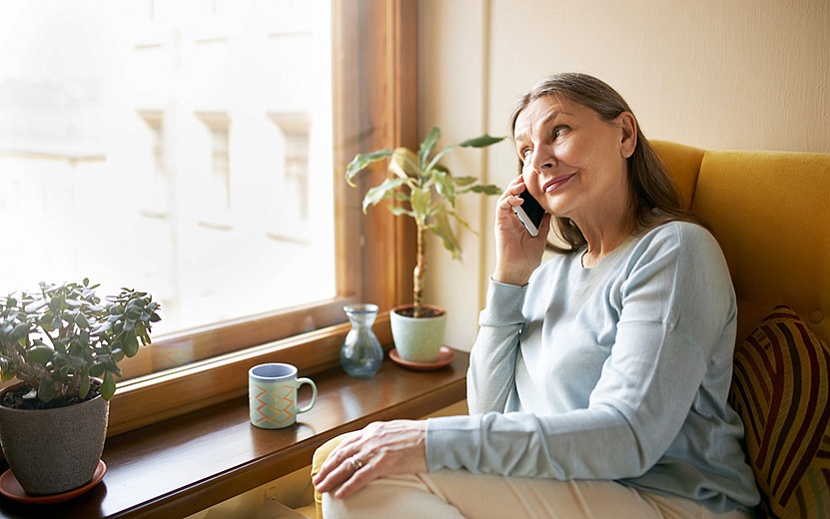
[(574, 162)]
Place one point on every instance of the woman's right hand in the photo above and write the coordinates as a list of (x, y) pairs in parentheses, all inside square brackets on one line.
[(517, 252)]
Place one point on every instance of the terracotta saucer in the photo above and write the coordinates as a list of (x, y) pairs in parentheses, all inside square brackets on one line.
[(445, 358), (10, 487)]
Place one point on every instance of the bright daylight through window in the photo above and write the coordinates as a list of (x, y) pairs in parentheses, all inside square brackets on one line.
[(177, 147)]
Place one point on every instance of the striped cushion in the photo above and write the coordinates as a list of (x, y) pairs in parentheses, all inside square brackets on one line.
[(780, 389)]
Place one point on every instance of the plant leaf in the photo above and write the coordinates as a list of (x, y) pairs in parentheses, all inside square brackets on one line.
[(419, 200), (384, 190), (45, 391), (130, 344), (481, 142), (404, 163), (20, 331), (97, 369), (442, 229), (399, 210), (489, 189), (101, 328), (427, 146), (361, 162), (81, 320), (83, 390), (445, 186), (464, 181), (108, 387), (41, 354)]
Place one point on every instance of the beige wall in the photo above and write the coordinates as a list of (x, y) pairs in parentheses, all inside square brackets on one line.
[(718, 74)]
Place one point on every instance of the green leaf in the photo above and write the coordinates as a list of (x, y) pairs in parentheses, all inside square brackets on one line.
[(427, 146), (464, 181), (130, 344), (445, 186), (442, 229), (398, 210), (481, 142), (404, 163), (40, 354), (83, 389), (97, 369), (45, 391), (102, 328), (34, 306), (61, 359), (489, 189), (361, 162), (108, 387), (419, 200), (81, 320), (20, 331), (384, 190)]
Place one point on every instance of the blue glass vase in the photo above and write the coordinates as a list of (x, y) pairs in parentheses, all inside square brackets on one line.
[(361, 354)]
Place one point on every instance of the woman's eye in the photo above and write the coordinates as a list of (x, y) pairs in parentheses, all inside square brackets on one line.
[(558, 131), (525, 153)]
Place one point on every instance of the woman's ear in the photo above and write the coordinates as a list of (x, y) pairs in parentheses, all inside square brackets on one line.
[(628, 133)]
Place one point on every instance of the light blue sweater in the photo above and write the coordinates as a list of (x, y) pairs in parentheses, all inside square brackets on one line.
[(616, 372)]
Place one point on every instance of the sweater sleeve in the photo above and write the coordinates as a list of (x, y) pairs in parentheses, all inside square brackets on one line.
[(490, 377), (675, 304)]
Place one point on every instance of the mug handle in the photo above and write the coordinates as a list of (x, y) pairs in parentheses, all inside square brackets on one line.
[(300, 382)]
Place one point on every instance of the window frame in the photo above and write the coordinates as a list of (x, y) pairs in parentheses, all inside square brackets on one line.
[(375, 92)]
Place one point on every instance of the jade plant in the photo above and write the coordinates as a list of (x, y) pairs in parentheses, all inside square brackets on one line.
[(58, 338), (426, 191)]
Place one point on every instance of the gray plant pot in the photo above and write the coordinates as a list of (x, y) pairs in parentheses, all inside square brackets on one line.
[(418, 340), (54, 450)]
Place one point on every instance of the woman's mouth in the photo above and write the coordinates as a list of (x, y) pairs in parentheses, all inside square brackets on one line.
[(556, 182)]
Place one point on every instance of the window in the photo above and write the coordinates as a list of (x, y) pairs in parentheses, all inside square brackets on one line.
[(155, 197), (215, 176), (273, 171), (290, 214)]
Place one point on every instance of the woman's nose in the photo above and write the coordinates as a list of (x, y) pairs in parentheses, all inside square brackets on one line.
[(542, 159)]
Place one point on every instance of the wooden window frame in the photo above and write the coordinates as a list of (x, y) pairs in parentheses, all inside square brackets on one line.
[(375, 91)]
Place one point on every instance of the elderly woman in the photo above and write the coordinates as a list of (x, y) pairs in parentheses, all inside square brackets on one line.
[(598, 381)]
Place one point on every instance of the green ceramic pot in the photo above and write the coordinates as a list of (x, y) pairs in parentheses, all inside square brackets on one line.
[(418, 340)]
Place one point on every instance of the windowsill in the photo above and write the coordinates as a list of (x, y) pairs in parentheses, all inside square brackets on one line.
[(185, 464)]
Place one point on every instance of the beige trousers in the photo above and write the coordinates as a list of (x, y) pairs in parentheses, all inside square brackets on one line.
[(458, 494)]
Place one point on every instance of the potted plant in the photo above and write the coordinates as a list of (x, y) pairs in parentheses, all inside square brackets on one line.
[(427, 192), (64, 346)]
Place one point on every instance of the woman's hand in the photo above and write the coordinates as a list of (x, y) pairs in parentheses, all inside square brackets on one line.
[(380, 449), (517, 252)]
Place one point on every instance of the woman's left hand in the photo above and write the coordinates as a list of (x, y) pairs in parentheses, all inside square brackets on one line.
[(380, 449)]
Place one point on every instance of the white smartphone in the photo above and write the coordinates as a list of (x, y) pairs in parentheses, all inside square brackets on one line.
[(530, 213)]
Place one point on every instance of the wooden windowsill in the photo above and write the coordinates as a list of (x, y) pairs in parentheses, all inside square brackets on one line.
[(185, 464)]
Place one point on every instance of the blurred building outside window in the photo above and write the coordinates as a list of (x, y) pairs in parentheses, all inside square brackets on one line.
[(179, 147)]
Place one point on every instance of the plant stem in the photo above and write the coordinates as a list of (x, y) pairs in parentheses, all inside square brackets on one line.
[(31, 374), (418, 274)]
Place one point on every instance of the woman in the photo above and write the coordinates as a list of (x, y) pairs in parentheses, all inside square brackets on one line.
[(598, 381)]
